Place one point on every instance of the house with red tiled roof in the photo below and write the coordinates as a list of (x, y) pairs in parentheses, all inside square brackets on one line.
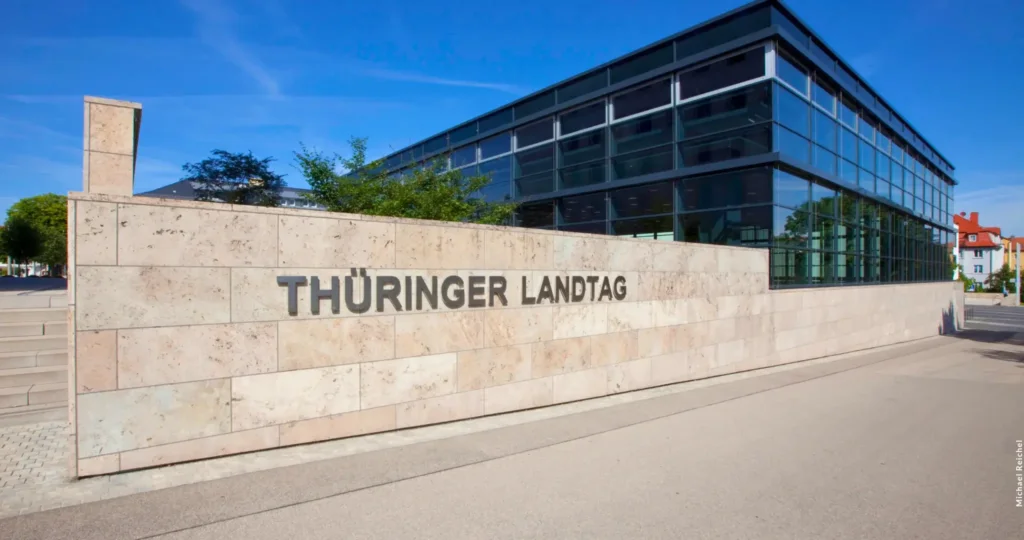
[(981, 247)]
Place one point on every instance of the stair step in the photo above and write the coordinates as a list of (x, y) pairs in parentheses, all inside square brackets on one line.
[(48, 393), (28, 359), (33, 315), (10, 378), (55, 328), (14, 397), (23, 329), (31, 414), (58, 357), (38, 343), (33, 301)]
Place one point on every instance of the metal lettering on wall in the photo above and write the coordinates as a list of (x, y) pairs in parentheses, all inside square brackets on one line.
[(453, 292)]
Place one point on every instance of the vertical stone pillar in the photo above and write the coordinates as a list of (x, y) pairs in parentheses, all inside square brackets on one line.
[(111, 143)]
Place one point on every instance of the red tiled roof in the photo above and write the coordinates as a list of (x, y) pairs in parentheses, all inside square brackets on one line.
[(983, 241), (971, 225)]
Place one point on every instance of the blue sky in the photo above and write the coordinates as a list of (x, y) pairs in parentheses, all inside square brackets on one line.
[(265, 75)]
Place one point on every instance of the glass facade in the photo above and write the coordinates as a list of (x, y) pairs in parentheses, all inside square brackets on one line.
[(746, 131)]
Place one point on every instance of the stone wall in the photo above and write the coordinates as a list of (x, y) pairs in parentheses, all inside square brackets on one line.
[(185, 345)]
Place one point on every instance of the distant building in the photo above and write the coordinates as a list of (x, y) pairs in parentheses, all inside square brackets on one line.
[(1010, 250), (184, 189), (981, 248)]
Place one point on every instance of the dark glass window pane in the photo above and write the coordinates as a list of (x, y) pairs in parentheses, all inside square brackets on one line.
[(496, 145), (791, 190), (642, 63), (866, 180), (791, 227), (882, 166), (825, 160), (727, 72), (582, 175), (882, 141), (848, 171), (824, 96), (497, 120), (848, 207), (823, 232), (496, 192), (534, 133), (392, 162), (793, 145), (848, 113), (734, 188), (535, 105), (642, 99), (535, 184), (535, 160), (789, 267), (645, 132), (582, 118), (536, 214), (468, 171), (723, 32), (821, 54), (846, 238), (792, 74), (848, 146), (582, 148), (500, 170), (845, 77), (824, 130), (793, 112), (654, 228), (583, 86), (436, 144), (642, 200), (642, 162), (597, 227), (461, 134), (869, 214), (724, 146), (867, 156), (590, 207), (866, 128), (824, 200), (463, 156), (750, 227), (724, 112)]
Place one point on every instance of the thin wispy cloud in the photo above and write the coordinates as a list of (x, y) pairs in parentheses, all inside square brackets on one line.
[(997, 203), (215, 25), (407, 76)]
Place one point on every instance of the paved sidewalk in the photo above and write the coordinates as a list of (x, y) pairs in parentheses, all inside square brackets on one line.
[(32, 455)]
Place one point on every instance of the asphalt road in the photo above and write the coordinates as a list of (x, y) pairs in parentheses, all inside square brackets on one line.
[(996, 318), (918, 442)]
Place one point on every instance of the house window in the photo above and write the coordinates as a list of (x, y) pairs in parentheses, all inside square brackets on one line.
[(977, 254), (973, 238), (978, 269)]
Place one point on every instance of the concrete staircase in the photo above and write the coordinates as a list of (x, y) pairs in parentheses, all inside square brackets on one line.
[(33, 356)]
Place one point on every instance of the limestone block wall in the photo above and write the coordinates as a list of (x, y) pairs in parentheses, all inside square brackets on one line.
[(195, 333)]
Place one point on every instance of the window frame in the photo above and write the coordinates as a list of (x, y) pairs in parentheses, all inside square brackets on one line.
[(610, 111), (769, 69)]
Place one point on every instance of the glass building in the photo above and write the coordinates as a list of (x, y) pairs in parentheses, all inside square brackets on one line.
[(746, 130)]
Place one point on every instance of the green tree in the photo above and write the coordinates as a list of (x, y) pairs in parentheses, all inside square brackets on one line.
[(235, 179), (427, 192), (1004, 277), (47, 215), (20, 239)]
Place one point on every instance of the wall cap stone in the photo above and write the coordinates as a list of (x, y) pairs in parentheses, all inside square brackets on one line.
[(113, 102)]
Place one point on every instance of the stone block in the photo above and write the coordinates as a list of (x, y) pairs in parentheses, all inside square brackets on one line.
[(670, 368), (111, 129), (288, 396), (581, 253), (134, 297), (481, 368), (111, 173), (671, 256), (430, 247), (95, 361), (561, 356), (519, 396), (407, 379), (702, 259), (434, 333), (94, 466), (671, 312), (509, 249), (579, 385), (95, 233), (209, 447), (516, 326), (580, 320), (701, 309), (630, 316), (328, 342), (657, 341), (608, 349), (440, 409), (338, 426), (630, 255), (629, 376), (329, 242), (122, 420), (170, 236), (174, 354)]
